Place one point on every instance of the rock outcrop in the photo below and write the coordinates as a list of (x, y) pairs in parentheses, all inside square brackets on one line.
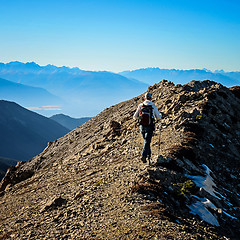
[(91, 183)]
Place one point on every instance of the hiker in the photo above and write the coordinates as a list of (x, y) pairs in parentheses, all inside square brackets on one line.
[(145, 113)]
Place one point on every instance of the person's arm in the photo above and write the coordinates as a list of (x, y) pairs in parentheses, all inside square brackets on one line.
[(157, 114), (136, 114)]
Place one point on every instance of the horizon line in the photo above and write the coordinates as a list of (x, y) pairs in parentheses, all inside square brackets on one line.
[(116, 72)]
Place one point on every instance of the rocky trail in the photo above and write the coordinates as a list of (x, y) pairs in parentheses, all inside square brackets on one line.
[(90, 184)]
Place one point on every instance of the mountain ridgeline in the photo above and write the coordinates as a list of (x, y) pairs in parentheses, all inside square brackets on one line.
[(152, 76), (91, 183)]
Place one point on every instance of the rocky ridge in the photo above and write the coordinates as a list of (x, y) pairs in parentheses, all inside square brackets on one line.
[(91, 184)]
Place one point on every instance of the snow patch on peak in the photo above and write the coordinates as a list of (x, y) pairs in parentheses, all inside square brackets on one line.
[(206, 182), (200, 208)]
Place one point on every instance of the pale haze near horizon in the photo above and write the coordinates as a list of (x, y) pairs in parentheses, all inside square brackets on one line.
[(122, 35)]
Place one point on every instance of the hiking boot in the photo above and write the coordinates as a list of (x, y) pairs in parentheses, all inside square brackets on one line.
[(144, 159)]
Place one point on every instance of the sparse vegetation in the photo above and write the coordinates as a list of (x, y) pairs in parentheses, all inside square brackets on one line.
[(186, 188)]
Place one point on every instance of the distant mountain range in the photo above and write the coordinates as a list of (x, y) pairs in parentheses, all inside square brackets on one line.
[(85, 93), (155, 75), (27, 95), (68, 122), (78, 93), (24, 133)]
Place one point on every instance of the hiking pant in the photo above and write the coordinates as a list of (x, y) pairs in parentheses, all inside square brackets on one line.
[(147, 133)]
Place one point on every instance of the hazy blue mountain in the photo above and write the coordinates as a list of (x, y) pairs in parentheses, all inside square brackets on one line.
[(32, 67), (69, 122), (27, 95), (86, 93), (233, 75), (155, 75), (24, 133), (5, 163)]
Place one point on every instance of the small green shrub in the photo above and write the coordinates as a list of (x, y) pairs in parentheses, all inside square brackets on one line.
[(100, 182), (186, 188)]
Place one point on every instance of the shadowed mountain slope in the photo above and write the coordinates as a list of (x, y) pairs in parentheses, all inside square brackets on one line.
[(91, 183), (27, 95), (5, 163), (69, 122), (24, 133)]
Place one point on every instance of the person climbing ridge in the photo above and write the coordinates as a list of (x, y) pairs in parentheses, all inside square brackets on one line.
[(145, 114)]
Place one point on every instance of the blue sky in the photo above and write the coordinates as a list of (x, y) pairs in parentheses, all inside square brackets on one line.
[(117, 35)]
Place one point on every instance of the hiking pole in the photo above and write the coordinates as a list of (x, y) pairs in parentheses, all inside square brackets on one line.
[(131, 141), (160, 126)]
